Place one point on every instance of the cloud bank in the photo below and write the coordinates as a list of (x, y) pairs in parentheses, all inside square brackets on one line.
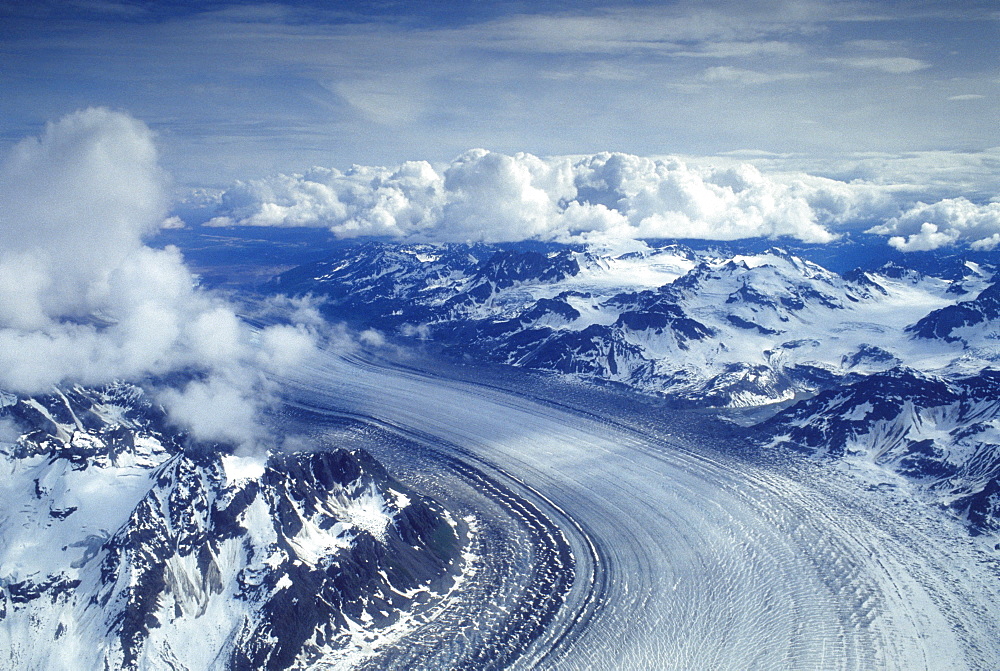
[(952, 220), (83, 300), (493, 197)]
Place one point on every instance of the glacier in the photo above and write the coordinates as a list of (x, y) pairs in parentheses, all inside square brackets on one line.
[(686, 554), (666, 456)]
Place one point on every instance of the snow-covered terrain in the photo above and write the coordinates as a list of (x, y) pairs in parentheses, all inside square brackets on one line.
[(733, 330), (847, 517), (129, 549), (935, 438), (741, 327), (682, 557)]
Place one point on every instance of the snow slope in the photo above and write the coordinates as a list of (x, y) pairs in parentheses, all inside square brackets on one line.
[(938, 438), (130, 548), (736, 330), (717, 328), (685, 558)]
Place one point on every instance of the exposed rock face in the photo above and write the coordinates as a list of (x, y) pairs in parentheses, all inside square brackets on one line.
[(143, 551), (944, 323), (940, 435), (703, 328)]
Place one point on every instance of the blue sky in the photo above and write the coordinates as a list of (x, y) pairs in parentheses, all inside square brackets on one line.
[(245, 90)]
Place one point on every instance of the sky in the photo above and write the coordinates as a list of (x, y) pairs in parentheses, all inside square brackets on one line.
[(84, 300), (437, 120), (237, 91)]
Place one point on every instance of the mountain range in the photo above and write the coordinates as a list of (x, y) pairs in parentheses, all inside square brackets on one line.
[(131, 546), (890, 364)]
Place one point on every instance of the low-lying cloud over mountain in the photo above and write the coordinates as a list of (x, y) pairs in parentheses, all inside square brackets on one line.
[(84, 300), (492, 197), (924, 227)]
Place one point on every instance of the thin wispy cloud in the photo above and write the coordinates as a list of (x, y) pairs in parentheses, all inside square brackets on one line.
[(246, 90), (743, 49), (896, 65), (726, 73)]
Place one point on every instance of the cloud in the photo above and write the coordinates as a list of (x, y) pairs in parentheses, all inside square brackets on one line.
[(299, 310), (904, 177), (929, 237), (372, 338), (742, 76), (670, 199), (217, 409), (386, 101), (173, 222), (362, 201), (743, 50), (895, 65), (250, 90), (283, 346), (493, 197), (946, 222), (74, 204), (843, 205), (716, 29), (84, 300)]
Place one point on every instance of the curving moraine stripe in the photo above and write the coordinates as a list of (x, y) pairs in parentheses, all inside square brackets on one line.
[(530, 634), (684, 557)]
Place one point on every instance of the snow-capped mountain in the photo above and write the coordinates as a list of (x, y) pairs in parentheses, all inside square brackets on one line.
[(706, 329), (891, 365), (939, 436), (128, 548), (958, 322)]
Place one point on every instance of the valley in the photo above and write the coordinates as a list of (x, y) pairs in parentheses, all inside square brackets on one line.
[(683, 555)]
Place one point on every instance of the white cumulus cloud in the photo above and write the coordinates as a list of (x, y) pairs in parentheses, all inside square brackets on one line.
[(84, 300), (485, 196), (74, 205), (494, 197), (946, 222), (667, 198)]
